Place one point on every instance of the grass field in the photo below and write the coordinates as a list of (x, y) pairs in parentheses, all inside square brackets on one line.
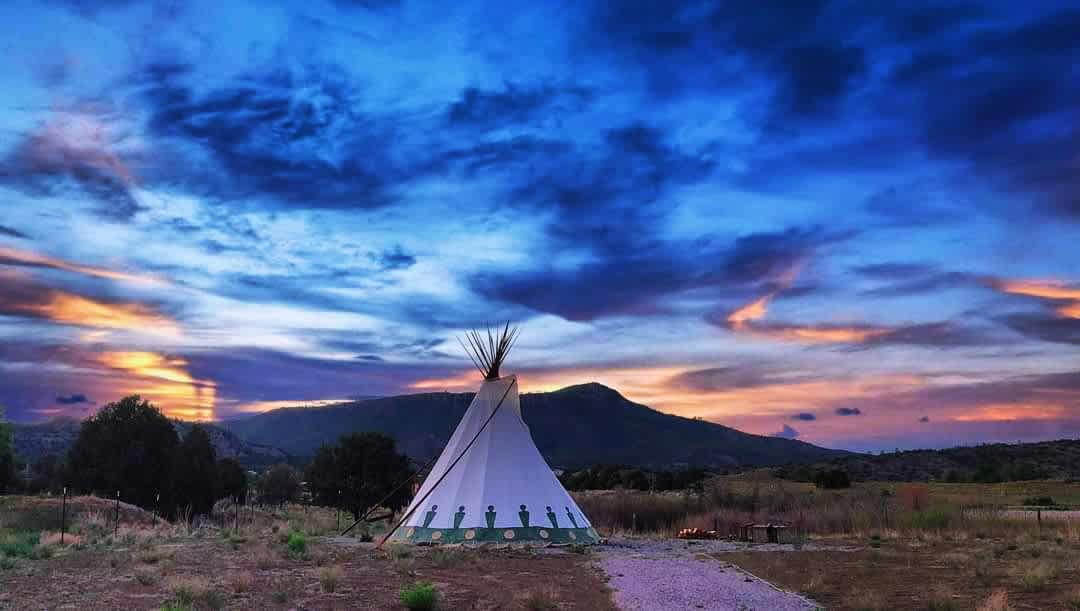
[(285, 558), (903, 546), (873, 547)]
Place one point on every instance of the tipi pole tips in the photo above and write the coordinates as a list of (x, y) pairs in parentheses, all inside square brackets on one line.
[(488, 351)]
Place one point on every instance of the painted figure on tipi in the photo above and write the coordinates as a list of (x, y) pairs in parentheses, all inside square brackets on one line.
[(491, 471)]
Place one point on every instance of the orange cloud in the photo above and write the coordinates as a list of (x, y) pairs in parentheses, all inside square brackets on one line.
[(164, 381), (1010, 413), (71, 309), (743, 320), (1069, 311), (13, 256), (755, 310), (1046, 289)]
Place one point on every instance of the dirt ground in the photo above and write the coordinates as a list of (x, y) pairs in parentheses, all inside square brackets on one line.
[(1037, 575), (257, 576)]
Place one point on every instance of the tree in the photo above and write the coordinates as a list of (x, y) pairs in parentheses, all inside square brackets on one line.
[(7, 455), (128, 446), (196, 473), (358, 472), (232, 481), (278, 485), (832, 479)]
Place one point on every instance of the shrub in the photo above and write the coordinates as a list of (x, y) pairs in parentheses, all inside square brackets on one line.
[(328, 578), (6, 563), (419, 597), (240, 582), (265, 558), (146, 577), (867, 600), (19, 545), (297, 545), (1044, 501), (1072, 600), (540, 601), (942, 601), (1037, 576), (195, 592)]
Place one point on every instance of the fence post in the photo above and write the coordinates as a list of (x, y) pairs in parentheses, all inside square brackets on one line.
[(236, 521), (116, 525), (63, 516), (633, 522)]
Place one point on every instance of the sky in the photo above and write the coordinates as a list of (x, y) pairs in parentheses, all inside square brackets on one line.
[(843, 222)]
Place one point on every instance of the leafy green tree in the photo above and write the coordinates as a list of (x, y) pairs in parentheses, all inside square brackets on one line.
[(195, 478), (232, 481), (358, 472), (278, 485), (128, 446), (7, 455)]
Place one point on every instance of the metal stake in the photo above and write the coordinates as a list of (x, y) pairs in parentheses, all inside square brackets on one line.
[(63, 516)]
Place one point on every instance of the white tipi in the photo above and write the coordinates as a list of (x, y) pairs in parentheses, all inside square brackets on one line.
[(490, 484)]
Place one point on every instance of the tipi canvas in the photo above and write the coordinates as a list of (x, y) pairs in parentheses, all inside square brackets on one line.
[(490, 484)]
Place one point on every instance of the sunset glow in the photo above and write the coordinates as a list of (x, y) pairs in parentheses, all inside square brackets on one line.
[(267, 205), (72, 309)]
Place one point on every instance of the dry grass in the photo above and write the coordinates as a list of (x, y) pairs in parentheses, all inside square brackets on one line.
[(329, 577), (147, 576), (53, 538), (1035, 576), (195, 592), (240, 582), (997, 601), (867, 600), (540, 601), (265, 558), (155, 555)]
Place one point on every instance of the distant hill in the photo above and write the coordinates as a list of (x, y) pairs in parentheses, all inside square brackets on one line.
[(573, 427), (33, 441), (982, 463)]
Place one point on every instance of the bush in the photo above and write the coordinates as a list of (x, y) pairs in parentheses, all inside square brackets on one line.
[(241, 582), (297, 545), (19, 545), (146, 577), (279, 485), (1043, 501), (419, 597), (832, 479), (197, 593), (1037, 576), (539, 601), (328, 578)]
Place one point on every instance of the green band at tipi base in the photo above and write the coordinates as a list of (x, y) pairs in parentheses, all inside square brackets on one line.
[(491, 484), (532, 535)]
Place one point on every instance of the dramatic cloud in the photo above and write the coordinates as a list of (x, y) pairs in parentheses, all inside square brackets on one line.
[(25, 258), (12, 233), (27, 299), (254, 207), (72, 400), (804, 416), (74, 154)]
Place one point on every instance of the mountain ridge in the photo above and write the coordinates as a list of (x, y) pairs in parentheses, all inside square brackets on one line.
[(574, 426)]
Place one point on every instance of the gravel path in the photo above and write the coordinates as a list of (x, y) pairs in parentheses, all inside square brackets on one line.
[(656, 575)]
